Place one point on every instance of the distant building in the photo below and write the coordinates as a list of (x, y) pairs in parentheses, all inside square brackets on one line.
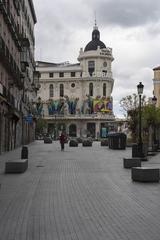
[(77, 97), (156, 84), (17, 67)]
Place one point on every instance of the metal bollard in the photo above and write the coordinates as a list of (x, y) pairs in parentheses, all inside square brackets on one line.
[(24, 152)]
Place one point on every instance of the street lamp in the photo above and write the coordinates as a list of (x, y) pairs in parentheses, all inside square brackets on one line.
[(154, 101), (140, 87)]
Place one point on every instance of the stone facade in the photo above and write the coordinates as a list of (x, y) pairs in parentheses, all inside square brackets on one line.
[(77, 97), (156, 84), (17, 66)]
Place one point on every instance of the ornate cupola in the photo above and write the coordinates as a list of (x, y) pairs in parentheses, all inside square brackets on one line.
[(93, 45)]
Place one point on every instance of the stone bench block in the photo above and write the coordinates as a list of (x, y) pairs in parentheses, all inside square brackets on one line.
[(131, 162), (104, 142), (16, 166), (73, 143), (87, 143), (47, 140), (151, 153), (145, 174)]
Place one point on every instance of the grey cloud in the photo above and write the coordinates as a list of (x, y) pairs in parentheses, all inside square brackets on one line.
[(65, 25), (126, 13)]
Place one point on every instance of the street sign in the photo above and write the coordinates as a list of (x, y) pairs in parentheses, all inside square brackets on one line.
[(29, 118)]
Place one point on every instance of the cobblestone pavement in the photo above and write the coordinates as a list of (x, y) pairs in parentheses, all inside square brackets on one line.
[(82, 193)]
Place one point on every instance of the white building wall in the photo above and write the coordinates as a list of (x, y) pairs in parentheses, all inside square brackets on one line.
[(81, 80)]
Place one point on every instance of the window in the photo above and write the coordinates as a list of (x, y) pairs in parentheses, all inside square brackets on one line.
[(105, 64), (104, 89), (73, 130), (73, 74), (51, 74), (61, 88), (104, 73), (72, 85), (61, 74), (51, 90), (91, 89), (91, 67)]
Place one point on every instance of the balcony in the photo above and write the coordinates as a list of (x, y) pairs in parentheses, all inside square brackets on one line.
[(92, 117), (25, 60), (9, 63), (17, 6), (7, 96), (36, 76), (9, 19), (25, 41)]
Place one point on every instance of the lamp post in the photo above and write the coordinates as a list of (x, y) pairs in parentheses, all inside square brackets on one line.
[(154, 101), (55, 127), (140, 87)]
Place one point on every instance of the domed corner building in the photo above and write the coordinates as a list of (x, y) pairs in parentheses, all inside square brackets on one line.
[(77, 97)]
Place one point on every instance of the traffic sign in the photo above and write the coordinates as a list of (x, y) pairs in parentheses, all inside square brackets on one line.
[(29, 118)]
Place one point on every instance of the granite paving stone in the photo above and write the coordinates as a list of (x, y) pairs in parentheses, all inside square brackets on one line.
[(79, 194)]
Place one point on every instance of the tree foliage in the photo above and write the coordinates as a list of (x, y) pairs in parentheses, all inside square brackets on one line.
[(130, 105), (40, 125), (151, 116)]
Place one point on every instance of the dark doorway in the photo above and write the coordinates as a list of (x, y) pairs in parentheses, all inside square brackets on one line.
[(73, 130), (91, 130), (104, 130)]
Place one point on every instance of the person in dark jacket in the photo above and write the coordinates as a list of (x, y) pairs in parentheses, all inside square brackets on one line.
[(62, 140)]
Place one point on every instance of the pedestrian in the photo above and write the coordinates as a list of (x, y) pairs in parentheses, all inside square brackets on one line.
[(62, 140)]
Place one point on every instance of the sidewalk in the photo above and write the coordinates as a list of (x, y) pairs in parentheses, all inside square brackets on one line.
[(82, 193)]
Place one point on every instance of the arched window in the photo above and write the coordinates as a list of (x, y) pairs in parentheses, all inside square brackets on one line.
[(61, 90), (104, 89), (51, 91), (91, 67), (91, 89)]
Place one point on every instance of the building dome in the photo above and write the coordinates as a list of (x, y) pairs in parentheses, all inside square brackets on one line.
[(93, 45)]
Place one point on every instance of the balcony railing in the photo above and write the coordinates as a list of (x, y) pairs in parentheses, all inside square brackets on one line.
[(101, 116), (10, 99), (9, 63), (9, 19)]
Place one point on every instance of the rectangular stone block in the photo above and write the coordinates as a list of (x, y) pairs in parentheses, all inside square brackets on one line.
[(16, 166), (139, 151), (47, 140), (145, 174), (87, 143), (131, 162)]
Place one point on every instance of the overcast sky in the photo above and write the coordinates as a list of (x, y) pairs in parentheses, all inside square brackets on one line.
[(130, 28)]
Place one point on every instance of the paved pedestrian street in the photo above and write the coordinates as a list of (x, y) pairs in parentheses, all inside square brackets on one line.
[(83, 193)]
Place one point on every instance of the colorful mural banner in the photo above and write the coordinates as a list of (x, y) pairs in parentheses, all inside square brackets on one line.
[(102, 105)]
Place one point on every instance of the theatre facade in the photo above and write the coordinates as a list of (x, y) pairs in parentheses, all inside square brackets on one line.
[(77, 97)]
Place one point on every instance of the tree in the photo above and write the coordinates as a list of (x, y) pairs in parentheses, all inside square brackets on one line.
[(130, 105), (40, 125), (151, 120)]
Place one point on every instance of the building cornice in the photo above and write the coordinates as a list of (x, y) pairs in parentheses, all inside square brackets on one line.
[(156, 68), (33, 11)]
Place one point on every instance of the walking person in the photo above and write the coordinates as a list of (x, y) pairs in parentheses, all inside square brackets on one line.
[(62, 140)]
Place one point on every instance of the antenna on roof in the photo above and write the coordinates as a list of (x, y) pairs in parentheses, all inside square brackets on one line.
[(95, 20)]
